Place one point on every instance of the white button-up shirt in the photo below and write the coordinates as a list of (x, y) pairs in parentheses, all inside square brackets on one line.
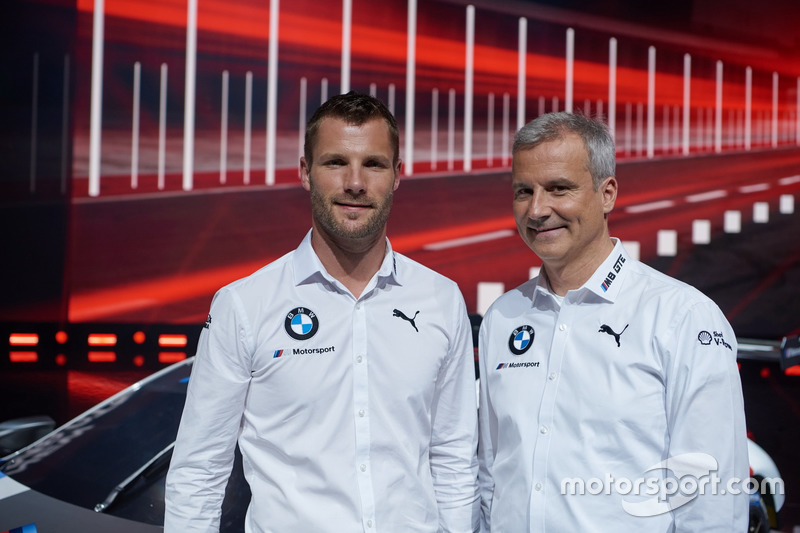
[(594, 409), (351, 414)]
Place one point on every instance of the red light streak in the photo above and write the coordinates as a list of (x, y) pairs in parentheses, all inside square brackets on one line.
[(172, 340), (171, 357), (102, 357), (792, 371), (23, 339), (23, 357), (102, 339)]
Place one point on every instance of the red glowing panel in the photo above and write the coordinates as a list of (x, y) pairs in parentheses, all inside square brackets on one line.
[(102, 357), (792, 371), (23, 339), (23, 357), (171, 357), (61, 337), (102, 339), (172, 340), (139, 337)]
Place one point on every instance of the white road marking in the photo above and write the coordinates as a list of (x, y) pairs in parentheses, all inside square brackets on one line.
[(472, 239), (651, 206), (706, 196)]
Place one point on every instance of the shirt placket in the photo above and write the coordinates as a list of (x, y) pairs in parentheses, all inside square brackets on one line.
[(560, 326), (361, 416)]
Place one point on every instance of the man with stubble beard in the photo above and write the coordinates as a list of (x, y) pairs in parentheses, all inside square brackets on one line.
[(344, 370)]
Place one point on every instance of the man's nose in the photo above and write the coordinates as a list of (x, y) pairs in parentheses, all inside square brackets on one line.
[(539, 206), (354, 182)]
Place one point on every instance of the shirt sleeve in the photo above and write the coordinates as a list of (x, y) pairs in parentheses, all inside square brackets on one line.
[(705, 415), (485, 442), (454, 433), (204, 449)]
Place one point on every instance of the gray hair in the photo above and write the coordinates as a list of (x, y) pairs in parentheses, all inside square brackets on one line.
[(554, 126)]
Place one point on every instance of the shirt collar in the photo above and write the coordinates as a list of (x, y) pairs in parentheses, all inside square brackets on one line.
[(309, 269), (605, 283)]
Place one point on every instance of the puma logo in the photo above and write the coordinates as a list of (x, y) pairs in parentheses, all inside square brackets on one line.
[(605, 329), (402, 315)]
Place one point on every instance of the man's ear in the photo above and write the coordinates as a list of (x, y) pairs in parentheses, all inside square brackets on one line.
[(304, 174), (609, 191), (397, 169)]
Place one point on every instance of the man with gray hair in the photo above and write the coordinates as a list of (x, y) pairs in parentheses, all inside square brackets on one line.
[(610, 397)]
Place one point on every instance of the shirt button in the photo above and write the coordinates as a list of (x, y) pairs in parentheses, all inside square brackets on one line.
[(543, 430), (361, 413), (552, 376), (562, 327), (538, 486), (363, 468), (369, 523), (359, 359)]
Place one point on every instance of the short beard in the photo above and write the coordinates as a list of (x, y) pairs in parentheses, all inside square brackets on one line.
[(322, 212)]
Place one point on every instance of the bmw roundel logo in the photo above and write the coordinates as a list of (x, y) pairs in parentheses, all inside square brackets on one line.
[(301, 323), (520, 340)]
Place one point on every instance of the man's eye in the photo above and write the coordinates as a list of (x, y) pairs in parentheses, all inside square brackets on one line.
[(521, 193)]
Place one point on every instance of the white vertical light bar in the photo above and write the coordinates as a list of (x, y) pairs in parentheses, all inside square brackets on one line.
[(774, 109), (748, 107), (732, 222), (488, 292), (301, 121), (65, 126), (540, 101), (272, 92), (223, 129), (490, 131), (434, 128), (718, 113), (248, 125), (786, 206), (640, 129), (323, 86), (468, 82), (612, 86), (451, 128), (347, 21), (95, 120), (189, 95), (599, 108), (137, 90), (162, 127), (687, 101), (651, 100), (522, 51), (665, 146), (761, 212), (391, 98), (504, 135), (628, 128), (667, 243), (701, 232), (570, 60), (34, 120), (373, 90), (411, 70)]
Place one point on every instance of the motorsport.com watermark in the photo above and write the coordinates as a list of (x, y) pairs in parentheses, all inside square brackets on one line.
[(654, 493)]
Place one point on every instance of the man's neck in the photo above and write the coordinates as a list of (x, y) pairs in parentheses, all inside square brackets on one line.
[(574, 273), (352, 262)]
